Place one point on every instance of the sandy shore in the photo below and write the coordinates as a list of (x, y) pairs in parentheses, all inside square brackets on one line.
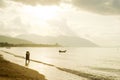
[(12, 71)]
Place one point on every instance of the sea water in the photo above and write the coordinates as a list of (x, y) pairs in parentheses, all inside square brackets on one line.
[(76, 64)]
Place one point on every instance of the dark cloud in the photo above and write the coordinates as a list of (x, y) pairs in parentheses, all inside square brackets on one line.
[(41, 2), (99, 6), (2, 4)]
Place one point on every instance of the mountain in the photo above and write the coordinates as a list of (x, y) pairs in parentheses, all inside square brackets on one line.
[(14, 40), (71, 41)]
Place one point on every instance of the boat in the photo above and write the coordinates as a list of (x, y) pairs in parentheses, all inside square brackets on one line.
[(62, 51)]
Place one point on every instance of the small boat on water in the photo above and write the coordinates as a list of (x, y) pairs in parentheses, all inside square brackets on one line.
[(62, 51)]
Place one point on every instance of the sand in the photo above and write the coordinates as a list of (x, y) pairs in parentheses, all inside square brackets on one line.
[(12, 71)]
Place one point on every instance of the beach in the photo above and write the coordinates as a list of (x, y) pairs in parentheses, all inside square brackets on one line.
[(82, 63), (12, 71)]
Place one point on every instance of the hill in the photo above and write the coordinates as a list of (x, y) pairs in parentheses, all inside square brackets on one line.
[(12, 40), (71, 41), (6, 41)]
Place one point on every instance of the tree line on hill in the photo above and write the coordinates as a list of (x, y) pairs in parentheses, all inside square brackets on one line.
[(6, 44)]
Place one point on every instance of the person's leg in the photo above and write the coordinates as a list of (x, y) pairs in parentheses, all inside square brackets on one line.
[(28, 61), (25, 62)]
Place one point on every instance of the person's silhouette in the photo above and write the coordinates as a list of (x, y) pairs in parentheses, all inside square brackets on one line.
[(27, 61)]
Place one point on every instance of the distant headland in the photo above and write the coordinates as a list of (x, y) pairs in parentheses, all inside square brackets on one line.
[(5, 44)]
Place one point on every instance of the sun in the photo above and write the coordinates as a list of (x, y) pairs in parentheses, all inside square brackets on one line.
[(41, 12), (38, 18)]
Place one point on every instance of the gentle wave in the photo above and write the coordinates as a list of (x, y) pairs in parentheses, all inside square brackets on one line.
[(106, 69), (87, 75)]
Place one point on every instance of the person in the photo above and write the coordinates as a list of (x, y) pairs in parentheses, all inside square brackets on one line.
[(27, 61)]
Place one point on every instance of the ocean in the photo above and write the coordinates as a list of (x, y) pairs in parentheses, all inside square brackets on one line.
[(77, 63)]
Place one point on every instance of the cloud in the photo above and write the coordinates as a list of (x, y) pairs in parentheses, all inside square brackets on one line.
[(2, 4), (41, 2), (99, 6), (10, 20), (13, 27), (61, 27)]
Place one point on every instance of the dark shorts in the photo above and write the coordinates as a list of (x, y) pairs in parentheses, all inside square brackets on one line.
[(27, 58)]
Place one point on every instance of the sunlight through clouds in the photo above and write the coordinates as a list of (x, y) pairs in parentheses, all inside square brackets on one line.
[(41, 12)]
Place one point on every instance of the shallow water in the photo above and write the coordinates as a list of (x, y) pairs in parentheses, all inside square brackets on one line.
[(75, 64)]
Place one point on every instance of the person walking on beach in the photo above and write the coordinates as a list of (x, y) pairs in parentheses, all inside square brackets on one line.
[(27, 61)]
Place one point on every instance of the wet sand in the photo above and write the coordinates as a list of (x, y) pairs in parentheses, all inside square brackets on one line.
[(12, 71)]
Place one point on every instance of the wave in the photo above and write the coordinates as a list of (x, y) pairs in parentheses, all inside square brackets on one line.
[(106, 69), (87, 75), (75, 72)]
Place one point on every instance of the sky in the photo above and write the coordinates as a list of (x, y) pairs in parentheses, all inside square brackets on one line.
[(96, 20)]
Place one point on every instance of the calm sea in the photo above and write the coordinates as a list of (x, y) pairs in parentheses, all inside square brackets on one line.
[(75, 64)]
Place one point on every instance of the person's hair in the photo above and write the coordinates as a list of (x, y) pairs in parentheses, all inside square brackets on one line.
[(27, 51)]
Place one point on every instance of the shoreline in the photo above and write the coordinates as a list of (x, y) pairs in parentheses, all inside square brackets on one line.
[(12, 71)]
